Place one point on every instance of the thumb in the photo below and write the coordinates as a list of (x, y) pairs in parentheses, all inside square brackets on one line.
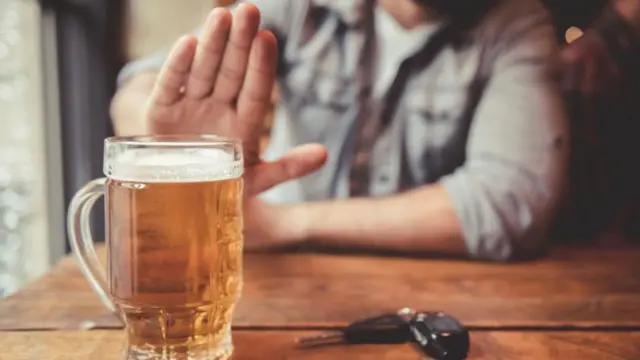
[(298, 162)]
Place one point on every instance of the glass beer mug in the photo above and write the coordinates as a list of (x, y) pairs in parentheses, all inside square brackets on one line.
[(174, 242)]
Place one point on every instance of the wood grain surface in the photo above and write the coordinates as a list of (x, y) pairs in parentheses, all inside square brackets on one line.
[(572, 288), (280, 345)]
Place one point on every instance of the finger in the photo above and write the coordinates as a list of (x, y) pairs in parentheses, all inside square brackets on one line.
[(246, 19), (174, 73), (299, 162), (210, 50), (256, 94)]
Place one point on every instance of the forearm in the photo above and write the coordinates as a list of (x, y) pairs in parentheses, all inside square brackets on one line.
[(128, 105), (421, 220)]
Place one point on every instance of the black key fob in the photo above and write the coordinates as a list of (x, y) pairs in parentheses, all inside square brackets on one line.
[(440, 336)]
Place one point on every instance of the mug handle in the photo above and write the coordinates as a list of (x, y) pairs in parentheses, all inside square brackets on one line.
[(79, 229)]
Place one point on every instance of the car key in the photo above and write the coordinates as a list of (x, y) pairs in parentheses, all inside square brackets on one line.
[(436, 335), (439, 336)]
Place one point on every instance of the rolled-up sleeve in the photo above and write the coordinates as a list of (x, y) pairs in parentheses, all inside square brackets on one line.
[(508, 191), (276, 15)]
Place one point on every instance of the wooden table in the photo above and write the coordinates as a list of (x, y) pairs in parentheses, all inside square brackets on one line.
[(574, 304)]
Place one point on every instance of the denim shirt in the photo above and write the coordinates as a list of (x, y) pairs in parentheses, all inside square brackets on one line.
[(484, 118)]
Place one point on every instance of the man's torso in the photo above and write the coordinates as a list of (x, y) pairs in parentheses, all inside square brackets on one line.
[(425, 136)]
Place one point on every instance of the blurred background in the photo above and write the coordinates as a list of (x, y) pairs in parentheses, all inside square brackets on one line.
[(58, 63)]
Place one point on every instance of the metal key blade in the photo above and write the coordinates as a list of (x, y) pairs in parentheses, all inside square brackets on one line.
[(321, 339)]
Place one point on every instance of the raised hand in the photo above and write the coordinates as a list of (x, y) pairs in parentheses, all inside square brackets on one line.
[(221, 84)]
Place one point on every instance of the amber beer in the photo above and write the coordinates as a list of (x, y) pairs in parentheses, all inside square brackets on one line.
[(174, 243), (175, 258)]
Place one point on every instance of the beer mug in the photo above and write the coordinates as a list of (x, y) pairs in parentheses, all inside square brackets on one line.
[(174, 242)]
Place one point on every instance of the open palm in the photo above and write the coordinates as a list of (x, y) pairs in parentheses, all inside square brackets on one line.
[(221, 84)]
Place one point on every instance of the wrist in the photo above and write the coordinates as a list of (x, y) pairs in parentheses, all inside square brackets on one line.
[(295, 224), (128, 106)]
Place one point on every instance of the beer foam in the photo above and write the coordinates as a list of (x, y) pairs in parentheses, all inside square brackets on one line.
[(173, 165)]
